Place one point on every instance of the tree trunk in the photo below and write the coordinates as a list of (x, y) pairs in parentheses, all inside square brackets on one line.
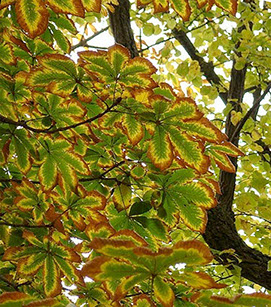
[(221, 233), (121, 27)]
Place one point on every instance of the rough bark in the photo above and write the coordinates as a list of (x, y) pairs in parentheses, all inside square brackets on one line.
[(221, 233), (121, 27)]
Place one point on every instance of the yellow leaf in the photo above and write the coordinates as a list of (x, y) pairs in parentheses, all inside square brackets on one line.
[(235, 117)]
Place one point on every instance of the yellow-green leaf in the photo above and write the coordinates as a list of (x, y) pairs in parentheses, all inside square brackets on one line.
[(188, 151), (160, 6), (122, 196), (92, 5), (48, 173), (228, 5), (51, 277), (200, 280), (142, 300), (182, 7), (73, 7), (133, 129), (163, 292), (31, 264), (32, 16), (68, 270), (160, 149), (129, 283)]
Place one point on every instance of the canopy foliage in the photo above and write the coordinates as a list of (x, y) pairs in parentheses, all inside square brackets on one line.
[(110, 157)]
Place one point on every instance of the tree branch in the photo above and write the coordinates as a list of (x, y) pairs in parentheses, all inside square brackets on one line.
[(155, 44), (25, 226), (84, 42), (206, 68), (249, 113), (252, 215), (221, 233), (10, 284), (101, 176), (24, 124)]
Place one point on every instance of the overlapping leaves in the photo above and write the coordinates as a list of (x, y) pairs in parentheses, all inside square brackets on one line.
[(19, 299), (49, 256), (61, 77), (183, 197), (134, 264), (54, 170), (99, 151), (33, 15), (183, 8), (115, 66)]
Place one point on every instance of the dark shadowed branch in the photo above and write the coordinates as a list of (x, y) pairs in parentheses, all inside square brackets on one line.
[(49, 130), (221, 233), (250, 112), (121, 27), (207, 68)]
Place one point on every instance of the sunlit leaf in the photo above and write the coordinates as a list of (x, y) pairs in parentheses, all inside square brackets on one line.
[(189, 151), (182, 7), (200, 280), (134, 129), (51, 277), (30, 265), (73, 7), (160, 149), (92, 5), (32, 16), (122, 196)]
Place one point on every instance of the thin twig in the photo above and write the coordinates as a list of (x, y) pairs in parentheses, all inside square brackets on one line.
[(26, 226), (23, 123), (222, 278), (155, 44), (83, 42), (252, 215), (101, 176)]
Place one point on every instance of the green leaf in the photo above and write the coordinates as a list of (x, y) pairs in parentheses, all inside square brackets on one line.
[(154, 225), (181, 176), (188, 150), (22, 149), (163, 292), (182, 8), (193, 216), (140, 207), (48, 173), (32, 16), (196, 193), (68, 269), (51, 278), (62, 41), (159, 150), (64, 22)]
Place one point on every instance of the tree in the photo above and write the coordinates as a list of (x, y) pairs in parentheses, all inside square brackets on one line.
[(108, 172)]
